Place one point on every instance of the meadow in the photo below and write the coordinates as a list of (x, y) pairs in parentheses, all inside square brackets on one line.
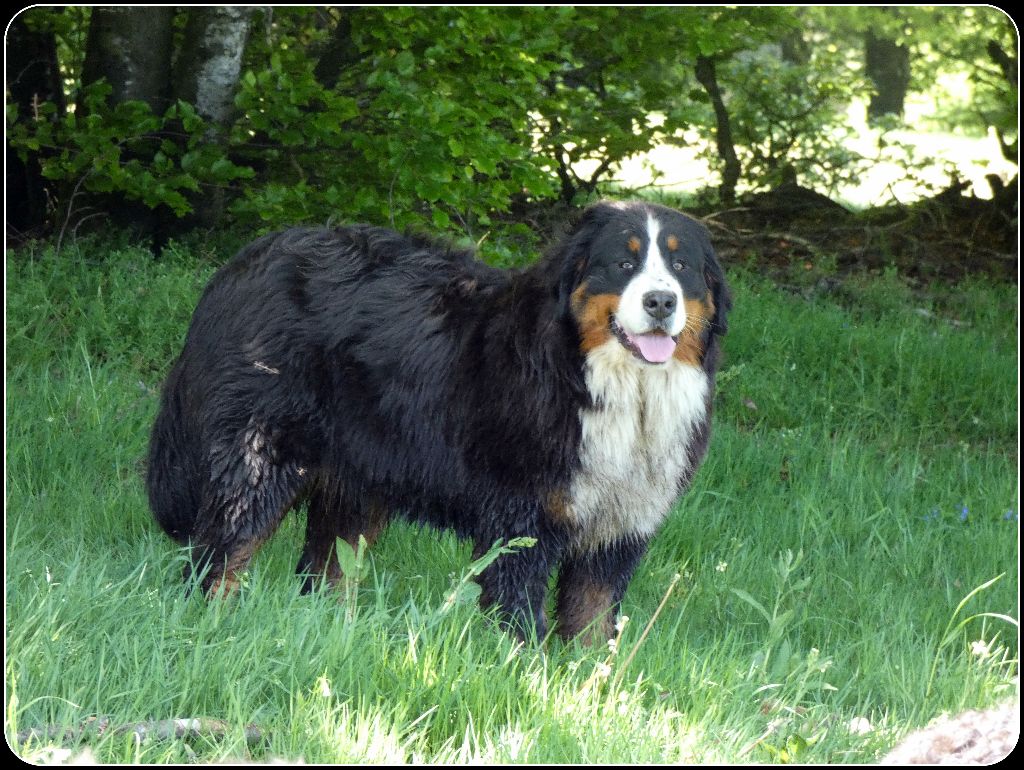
[(843, 570)]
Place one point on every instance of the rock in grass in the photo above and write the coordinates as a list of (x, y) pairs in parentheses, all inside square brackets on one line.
[(972, 738)]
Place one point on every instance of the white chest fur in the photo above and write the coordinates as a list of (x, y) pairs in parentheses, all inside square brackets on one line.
[(634, 440)]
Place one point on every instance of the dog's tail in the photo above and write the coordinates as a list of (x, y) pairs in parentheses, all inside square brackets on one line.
[(172, 475)]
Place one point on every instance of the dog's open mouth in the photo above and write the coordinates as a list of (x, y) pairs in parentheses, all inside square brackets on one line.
[(654, 347)]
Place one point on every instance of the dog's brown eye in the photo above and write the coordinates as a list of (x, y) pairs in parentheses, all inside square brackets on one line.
[(626, 265), (678, 266)]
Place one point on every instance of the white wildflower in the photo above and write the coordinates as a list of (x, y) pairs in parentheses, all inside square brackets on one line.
[(859, 726), (980, 648), (324, 685)]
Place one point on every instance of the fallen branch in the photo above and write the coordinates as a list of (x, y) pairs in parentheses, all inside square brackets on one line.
[(160, 730), (790, 238)]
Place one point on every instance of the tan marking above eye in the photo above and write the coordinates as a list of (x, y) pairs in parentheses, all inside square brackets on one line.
[(634, 244), (672, 242)]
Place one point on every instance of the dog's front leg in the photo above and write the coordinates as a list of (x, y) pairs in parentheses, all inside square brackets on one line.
[(591, 584), (516, 583)]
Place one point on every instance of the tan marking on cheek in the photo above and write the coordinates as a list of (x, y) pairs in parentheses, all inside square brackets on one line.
[(593, 314), (689, 348), (586, 608), (633, 244), (672, 242)]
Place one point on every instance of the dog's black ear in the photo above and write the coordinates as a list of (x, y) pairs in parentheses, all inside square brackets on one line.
[(720, 294), (575, 249)]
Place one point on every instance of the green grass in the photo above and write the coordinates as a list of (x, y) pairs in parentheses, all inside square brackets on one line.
[(821, 551)]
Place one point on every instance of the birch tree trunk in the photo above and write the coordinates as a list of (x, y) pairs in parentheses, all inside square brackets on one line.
[(206, 75), (210, 62)]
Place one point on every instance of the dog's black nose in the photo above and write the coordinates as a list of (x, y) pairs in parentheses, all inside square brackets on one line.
[(659, 304)]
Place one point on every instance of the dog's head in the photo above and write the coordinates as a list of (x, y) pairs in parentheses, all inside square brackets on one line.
[(644, 278)]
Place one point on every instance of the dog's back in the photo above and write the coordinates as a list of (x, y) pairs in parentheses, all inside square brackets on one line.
[(304, 322)]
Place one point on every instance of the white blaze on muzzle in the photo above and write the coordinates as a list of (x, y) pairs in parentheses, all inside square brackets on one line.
[(651, 335)]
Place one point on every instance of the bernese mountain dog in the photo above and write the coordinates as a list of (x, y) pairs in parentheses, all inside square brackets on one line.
[(367, 374)]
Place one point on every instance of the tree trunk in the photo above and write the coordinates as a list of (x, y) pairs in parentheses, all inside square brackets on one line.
[(708, 78), (795, 49), (210, 61), (131, 48), (887, 64), (340, 52), (1007, 64), (33, 77), (206, 75)]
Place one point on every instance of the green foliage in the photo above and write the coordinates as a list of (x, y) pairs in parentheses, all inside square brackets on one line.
[(448, 116), (627, 84), (445, 116), (788, 118), (615, 94), (983, 34), (125, 148), (943, 41), (405, 136), (70, 27)]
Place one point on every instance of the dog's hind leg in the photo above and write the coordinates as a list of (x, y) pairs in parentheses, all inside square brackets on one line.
[(335, 512), (249, 490), (173, 479)]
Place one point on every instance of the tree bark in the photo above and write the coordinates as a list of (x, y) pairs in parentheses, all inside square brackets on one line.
[(795, 49), (208, 67), (131, 48), (1007, 64), (708, 78), (340, 52), (206, 75), (33, 77), (887, 64)]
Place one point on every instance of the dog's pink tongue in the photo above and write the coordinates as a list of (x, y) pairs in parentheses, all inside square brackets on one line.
[(656, 348)]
